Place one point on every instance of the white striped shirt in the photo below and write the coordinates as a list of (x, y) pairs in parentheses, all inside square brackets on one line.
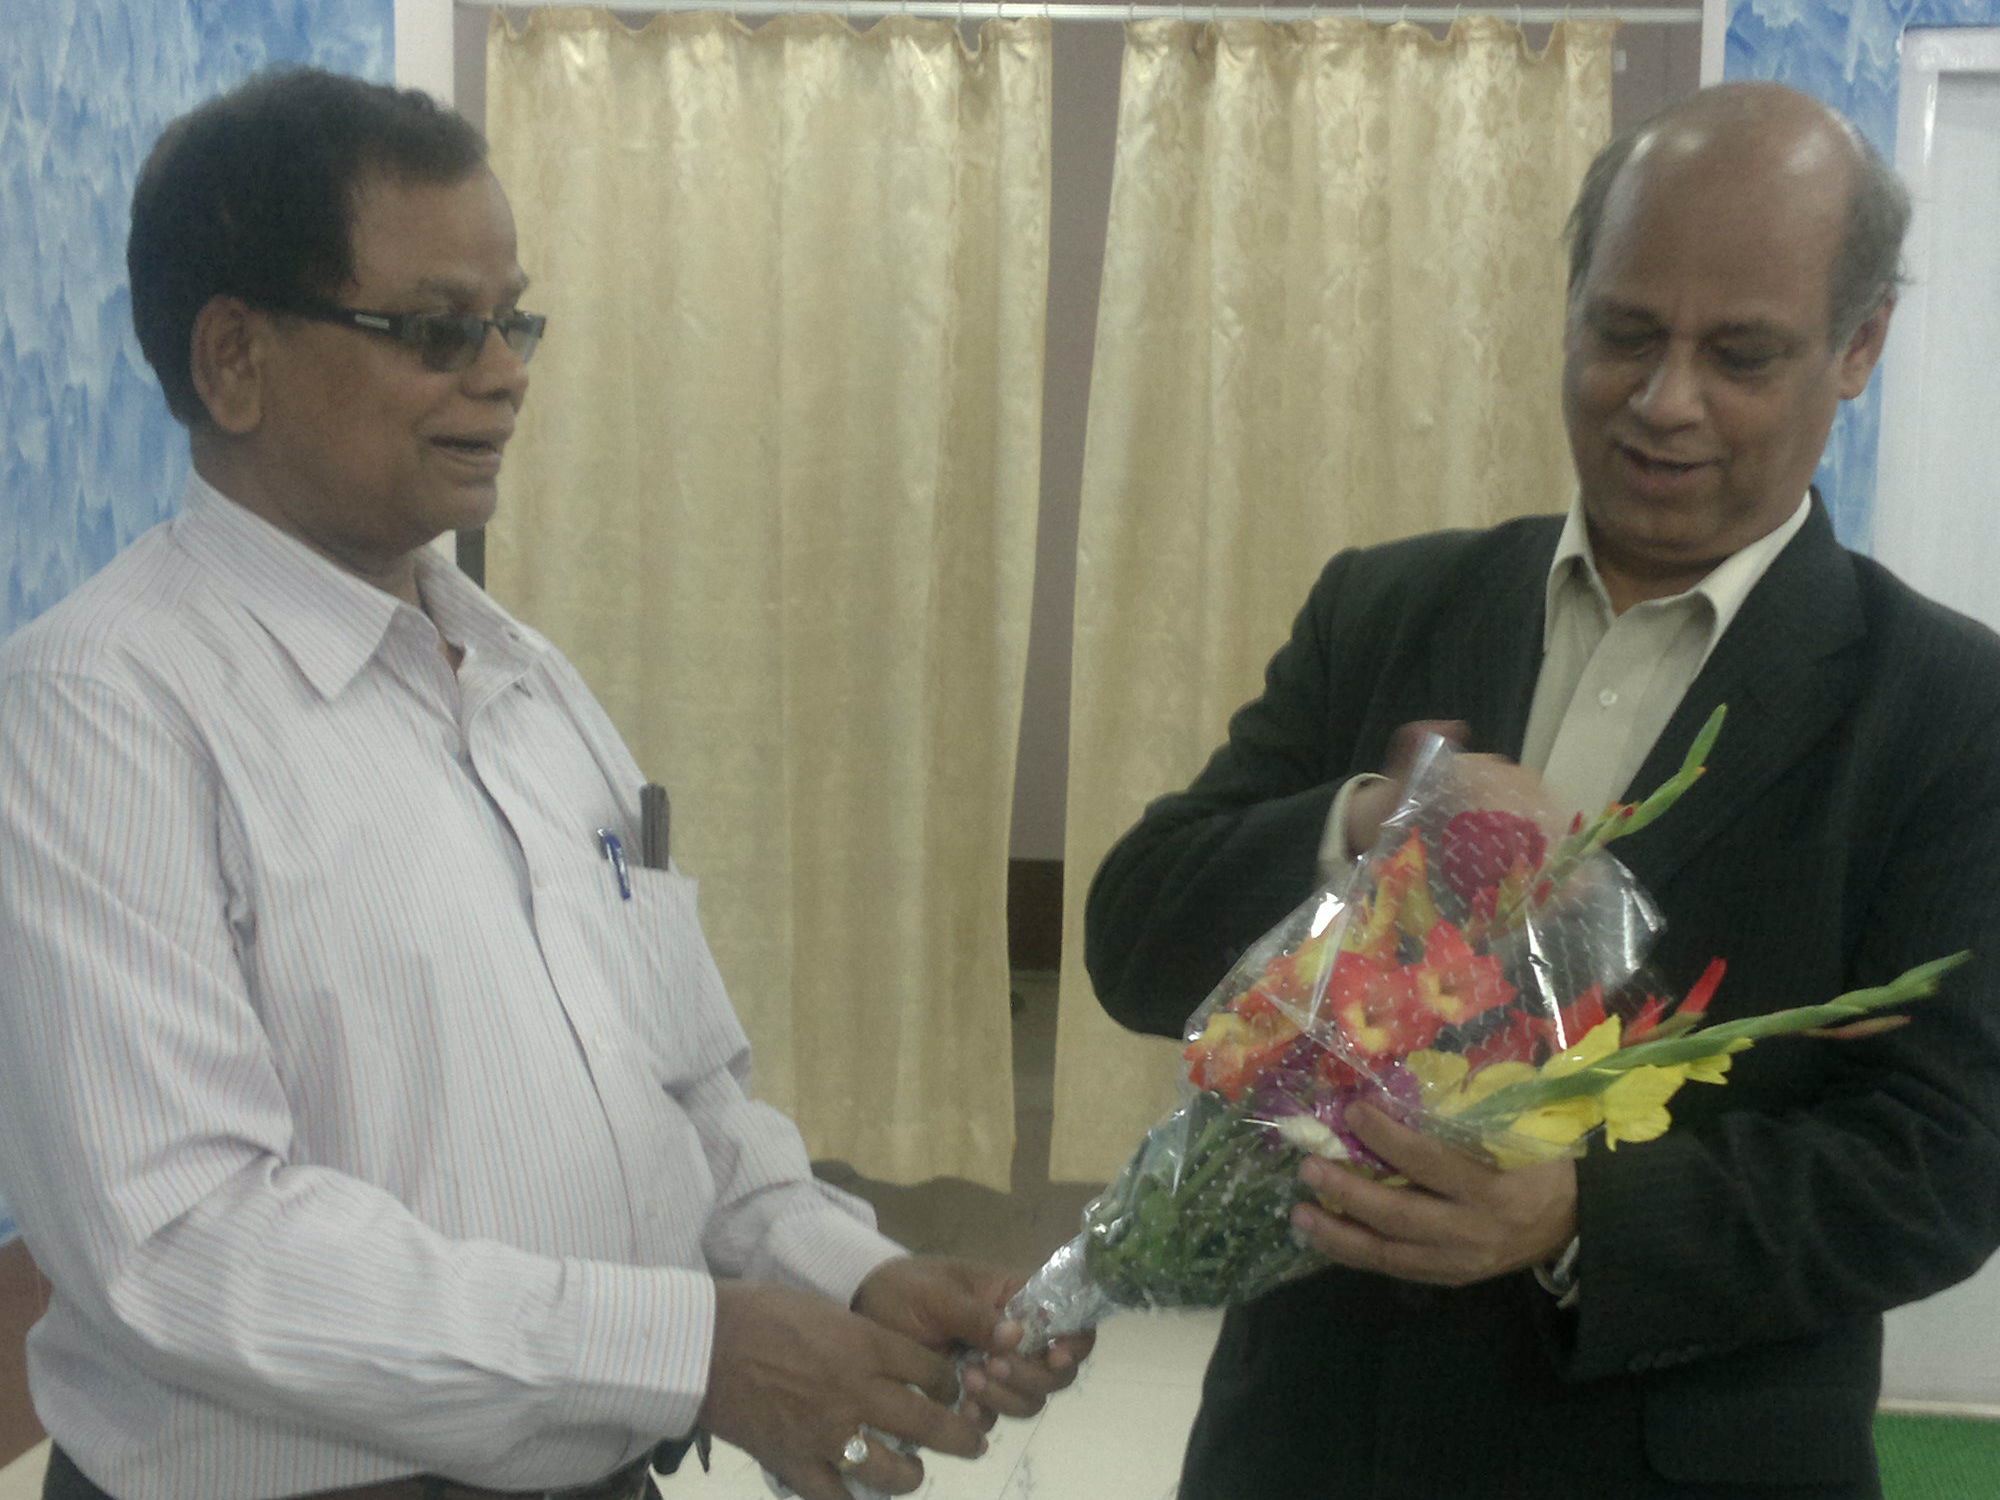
[(361, 1125)]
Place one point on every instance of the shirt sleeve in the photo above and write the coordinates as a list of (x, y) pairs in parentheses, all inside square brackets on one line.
[(1336, 854), (147, 1145), (773, 1220)]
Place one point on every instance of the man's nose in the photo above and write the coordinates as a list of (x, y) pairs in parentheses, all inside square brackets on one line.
[(1670, 395), (497, 370)]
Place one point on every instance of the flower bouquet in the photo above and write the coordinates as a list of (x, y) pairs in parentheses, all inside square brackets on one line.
[(1479, 976)]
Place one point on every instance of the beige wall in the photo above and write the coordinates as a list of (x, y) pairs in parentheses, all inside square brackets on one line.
[(1657, 65)]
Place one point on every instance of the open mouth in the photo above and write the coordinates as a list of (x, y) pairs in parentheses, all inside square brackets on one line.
[(1659, 468)]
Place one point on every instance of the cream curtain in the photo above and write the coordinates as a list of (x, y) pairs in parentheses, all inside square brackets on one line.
[(1331, 316), (775, 493)]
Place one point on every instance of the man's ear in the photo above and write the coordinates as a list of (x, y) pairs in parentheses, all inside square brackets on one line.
[(227, 358), (1857, 360)]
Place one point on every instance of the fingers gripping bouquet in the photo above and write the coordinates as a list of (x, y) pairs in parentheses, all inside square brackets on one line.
[(1479, 977)]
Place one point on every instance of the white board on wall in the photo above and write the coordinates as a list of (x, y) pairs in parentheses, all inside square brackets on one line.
[(1937, 510), (424, 47)]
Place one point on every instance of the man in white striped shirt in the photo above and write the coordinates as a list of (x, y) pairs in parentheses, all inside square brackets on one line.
[(378, 1136)]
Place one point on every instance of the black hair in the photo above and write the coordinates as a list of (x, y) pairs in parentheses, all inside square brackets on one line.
[(252, 195)]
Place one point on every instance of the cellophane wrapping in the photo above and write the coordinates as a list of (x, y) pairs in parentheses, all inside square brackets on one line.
[(1476, 929)]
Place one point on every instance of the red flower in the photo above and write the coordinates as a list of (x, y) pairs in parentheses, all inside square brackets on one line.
[(1704, 989), (1482, 846), (1455, 982), (1377, 1008), (1516, 1039), (1579, 1018), (1239, 1044)]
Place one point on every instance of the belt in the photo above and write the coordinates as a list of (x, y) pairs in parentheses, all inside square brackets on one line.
[(633, 1482)]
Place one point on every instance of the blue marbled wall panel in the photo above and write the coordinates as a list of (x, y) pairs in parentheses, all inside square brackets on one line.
[(89, 457), (1846, 54)]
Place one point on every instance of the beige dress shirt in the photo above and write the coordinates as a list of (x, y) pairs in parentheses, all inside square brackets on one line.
[(1609, 682)]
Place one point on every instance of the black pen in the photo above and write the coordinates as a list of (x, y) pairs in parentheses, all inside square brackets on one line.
[(655, 826)]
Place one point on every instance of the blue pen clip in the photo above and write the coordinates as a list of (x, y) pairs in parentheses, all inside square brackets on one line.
[(614, 850)]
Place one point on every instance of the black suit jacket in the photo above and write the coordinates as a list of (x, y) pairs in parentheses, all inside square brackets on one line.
[(1734, 1271)]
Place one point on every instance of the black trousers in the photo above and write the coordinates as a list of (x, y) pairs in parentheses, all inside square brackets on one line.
[(65, 1481), (1341, 1387)]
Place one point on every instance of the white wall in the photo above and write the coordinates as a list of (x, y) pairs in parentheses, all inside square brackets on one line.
[(1937, 512)]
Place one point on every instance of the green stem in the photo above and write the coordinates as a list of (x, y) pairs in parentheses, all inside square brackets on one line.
[(1710, 1041), (1616, 823)]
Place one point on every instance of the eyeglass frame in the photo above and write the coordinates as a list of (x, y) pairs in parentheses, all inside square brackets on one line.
[(407, 329)]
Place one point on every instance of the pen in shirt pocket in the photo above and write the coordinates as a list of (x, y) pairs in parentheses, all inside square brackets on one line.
[(655, 826), (613, 848)]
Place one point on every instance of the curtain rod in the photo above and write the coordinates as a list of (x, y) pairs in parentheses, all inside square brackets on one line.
[(1073, 10)]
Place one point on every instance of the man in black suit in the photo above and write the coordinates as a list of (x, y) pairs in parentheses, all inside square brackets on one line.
[(1700, 1315)]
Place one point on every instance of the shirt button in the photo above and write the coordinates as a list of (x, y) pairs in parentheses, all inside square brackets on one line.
[(1607, 698)]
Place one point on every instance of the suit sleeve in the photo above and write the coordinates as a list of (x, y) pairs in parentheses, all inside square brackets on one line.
[(1207, 871)]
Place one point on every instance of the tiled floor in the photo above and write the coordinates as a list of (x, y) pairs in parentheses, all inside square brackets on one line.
[(1116, 1435), (22, 1479)]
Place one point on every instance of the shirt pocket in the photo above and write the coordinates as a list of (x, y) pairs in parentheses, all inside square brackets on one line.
[(672, 992)]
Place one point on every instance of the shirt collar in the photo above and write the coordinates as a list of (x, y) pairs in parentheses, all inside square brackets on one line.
[(1725, 588), (328, 621)]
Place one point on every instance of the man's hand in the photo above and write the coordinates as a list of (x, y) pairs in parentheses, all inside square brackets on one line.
[(1458, 1221), (1371, 805), (1492, 780), (949, 1305), (792, 1377)]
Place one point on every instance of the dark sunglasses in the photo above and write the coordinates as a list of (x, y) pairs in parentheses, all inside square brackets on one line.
[(445, 342)]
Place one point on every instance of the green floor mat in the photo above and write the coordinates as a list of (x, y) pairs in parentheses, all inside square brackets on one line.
[(1938, 1458)]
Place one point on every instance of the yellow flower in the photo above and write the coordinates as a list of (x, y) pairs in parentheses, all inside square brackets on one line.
[(1496, 1076), (1441, 1075), (1447, 1089), (1714, 1069), (1544, 1133), (1597, 1044), (1635, 1105)]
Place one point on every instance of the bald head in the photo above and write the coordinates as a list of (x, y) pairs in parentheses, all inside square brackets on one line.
[(1770, 146)]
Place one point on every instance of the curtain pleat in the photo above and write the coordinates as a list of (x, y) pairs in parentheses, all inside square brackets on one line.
[(775, 492), (1331, 316)]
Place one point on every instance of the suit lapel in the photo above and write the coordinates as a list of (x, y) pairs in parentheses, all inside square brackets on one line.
[(1494, 641), (1780, 670)]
